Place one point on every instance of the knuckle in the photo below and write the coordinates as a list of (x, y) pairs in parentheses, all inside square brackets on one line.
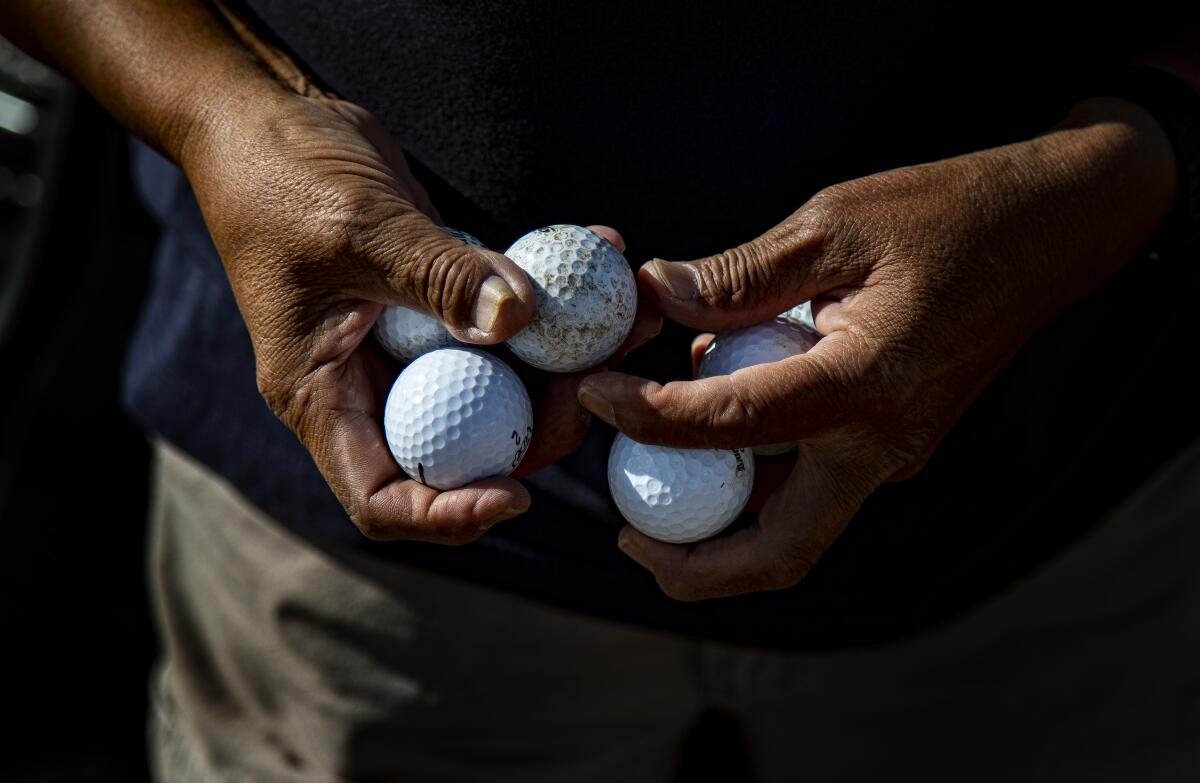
[(906, 468), (415, 256), (735, 279), (373, 528), (294, 389), (906, 453), (654, 412), (675, 581), (363, 515), (678, 589), (823, 225), (461, 280), (446, 275), (825, 208), (790, 568), (287, 398), (368, 517), (742, 413)]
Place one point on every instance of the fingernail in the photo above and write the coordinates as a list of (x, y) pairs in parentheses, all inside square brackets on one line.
[(493, 295), (624, 542), (678, 278), (595, 402)]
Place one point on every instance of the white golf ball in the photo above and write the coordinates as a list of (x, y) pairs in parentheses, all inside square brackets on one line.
[(463, 236), (679, 495), (759, 344), (457, 415), (405, 333), (801, 315), (586, 298)]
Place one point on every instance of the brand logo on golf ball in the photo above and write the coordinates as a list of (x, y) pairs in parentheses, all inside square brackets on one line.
[(522, 441), (741, 463)]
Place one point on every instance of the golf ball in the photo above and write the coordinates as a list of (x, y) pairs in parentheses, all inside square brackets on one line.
[(405, 333), (586, 298), (463, 236), (679, 495), (766, 342), (457, 415), (801, 315)]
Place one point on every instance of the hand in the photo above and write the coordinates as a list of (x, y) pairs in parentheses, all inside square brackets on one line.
[(926, 279), (319, 224)]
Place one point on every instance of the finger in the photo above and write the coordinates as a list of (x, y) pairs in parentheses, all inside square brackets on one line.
[(560, 423), (409, 511), (481, 296), (647, 324), (769, 472), (800, 521), (611, 234), (337, 410), (699, 345), (749, 284), (797, 397)]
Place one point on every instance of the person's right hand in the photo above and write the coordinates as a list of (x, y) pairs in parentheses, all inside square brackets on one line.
[(319, 223)]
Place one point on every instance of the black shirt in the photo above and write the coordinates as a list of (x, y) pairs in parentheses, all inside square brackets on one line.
[(690, 127)]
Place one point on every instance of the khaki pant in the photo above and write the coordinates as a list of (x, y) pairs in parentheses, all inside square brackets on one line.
[(284, 663)]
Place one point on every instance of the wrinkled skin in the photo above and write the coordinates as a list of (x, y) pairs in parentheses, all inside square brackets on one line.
[(319, 223), (926, 280)]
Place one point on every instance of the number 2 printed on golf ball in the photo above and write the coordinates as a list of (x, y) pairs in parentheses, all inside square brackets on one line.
[(457, 415)]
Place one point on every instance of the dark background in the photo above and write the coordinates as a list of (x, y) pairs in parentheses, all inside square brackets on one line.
[(75, 251)]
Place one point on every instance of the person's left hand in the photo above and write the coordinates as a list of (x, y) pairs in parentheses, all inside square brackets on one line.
[(926, 279)]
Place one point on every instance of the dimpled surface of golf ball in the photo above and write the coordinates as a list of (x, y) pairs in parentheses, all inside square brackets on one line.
[(766, 342), (679, 495), (586, 298), (457, 415), (802, 315), (405, 333)]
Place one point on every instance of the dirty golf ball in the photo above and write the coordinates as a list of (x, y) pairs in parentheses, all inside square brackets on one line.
[(457, 415), (405, 333), (758, 344), (586, 298), (679, 495)]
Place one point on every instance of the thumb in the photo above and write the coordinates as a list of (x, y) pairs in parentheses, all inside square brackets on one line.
[(481, 296), (749, 284)]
